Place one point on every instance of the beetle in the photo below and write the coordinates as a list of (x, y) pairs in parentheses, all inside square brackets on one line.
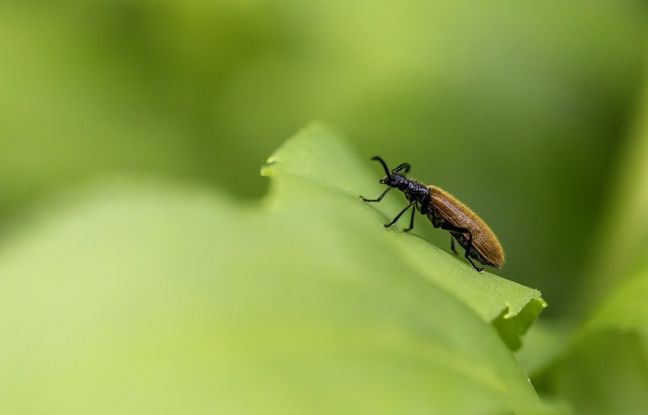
[(445, 212)]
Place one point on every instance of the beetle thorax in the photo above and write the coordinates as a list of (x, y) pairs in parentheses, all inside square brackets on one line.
[(412, 189)]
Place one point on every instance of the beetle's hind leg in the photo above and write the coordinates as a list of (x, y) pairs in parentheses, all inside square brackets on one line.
[(470, 246), (451, 228), (472, 263)]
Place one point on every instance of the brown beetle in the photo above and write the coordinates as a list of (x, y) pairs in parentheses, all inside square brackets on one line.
[(445, 212)]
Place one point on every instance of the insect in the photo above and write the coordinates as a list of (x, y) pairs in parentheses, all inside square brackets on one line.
[(445, 212)]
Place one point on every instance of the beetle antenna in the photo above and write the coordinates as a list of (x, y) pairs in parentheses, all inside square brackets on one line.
[(381, 161), (402, 166)]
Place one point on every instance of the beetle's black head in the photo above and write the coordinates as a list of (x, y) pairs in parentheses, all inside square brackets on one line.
[(393, 178)]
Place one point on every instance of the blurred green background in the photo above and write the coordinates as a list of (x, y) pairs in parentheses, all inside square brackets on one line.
[(519, 109), (529, 112)]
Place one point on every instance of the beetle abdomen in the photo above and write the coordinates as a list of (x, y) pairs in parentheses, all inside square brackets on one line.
[(473, 253), (485, 246)]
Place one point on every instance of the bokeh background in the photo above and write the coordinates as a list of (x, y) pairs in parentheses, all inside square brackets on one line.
[(519, 109), (529, 112)]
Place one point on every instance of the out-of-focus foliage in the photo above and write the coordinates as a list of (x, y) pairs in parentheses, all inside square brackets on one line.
[(516, 107), (622, 246), (544, 343), (604, 369), (170, 300)]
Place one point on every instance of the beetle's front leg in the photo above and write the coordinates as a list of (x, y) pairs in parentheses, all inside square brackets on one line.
[(387, 225), (378, 199), (411, 225)]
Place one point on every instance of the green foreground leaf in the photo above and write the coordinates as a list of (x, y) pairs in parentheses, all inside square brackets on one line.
[(156, 299), (317, 156)]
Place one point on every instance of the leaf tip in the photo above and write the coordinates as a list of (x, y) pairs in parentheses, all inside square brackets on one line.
[(266, 169), (513, 324)]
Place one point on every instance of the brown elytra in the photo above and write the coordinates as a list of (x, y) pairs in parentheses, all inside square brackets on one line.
[(445, 212), (488, 249)]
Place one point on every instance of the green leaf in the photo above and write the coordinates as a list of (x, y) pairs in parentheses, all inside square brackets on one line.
[(151, 298), (604, 368), (544, 344), (622, 243), (609, 356), (316, 155)]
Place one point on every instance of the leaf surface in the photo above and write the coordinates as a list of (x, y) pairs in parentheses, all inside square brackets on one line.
[(155, 298), (318, 156)]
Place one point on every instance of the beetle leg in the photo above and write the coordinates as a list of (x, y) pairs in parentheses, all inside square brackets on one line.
[(470, 260), (378, 199), (411, 226), (437, 222), (452, 245), (449, 227), (387, 225), (467, 255), (427, 207)]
